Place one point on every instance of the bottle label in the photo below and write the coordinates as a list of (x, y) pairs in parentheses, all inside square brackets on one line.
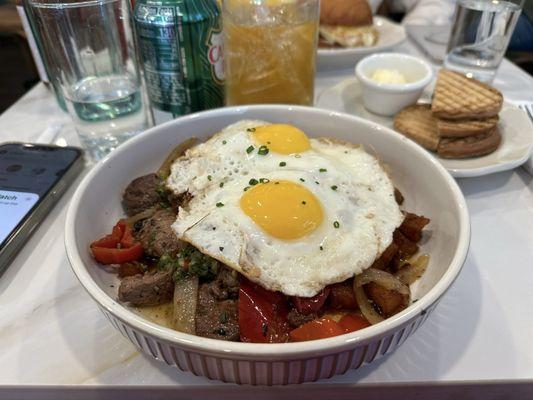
[(215, 56)]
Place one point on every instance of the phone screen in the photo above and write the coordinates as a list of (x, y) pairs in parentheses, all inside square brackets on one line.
[(27, 173)]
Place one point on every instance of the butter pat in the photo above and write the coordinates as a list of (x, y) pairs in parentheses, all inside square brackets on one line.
[(382, 75)]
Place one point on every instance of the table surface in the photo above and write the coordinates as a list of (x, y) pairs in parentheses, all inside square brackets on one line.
[(53, 336)]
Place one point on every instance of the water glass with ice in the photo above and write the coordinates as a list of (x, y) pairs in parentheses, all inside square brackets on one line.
[(480, 34), (90, 50)]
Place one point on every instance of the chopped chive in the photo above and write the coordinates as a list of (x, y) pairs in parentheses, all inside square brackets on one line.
[(253, 182), (246, 188), (321, 248), (224, 142), (303, 202), (250, 149), (250, 129), (264, 180), (221, 248), (302, 180), (336, 224), (317, 182), (221, 184), (219, 204), (322, 170), (276, 183), (214, 228), (209, 177), (263, 150), (269, 143), (334, 187), (282, 164)]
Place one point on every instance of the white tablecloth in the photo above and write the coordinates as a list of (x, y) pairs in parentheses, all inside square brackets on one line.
[(477, 343)]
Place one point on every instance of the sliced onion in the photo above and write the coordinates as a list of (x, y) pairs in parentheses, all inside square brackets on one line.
[(140, 216), (164, 170), (184, 304), (381, 278), (414, 270), (365, 305)]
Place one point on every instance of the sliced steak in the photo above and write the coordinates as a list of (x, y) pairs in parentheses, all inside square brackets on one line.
[(216, 319), (296, 318), (152, 288), (157, 236), (141, 194), (216, 310), (225, 285)]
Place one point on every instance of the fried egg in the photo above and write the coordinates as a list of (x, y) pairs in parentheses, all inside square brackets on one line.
[(289, 212)]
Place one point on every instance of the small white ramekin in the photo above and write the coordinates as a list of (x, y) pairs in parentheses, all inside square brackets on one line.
[(387, 99)]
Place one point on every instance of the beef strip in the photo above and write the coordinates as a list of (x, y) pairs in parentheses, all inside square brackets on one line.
[(141, 194), (152, 288), (216, 310), (342, 296), (406, 247), (389, 302), (297, 319), (386, 257), (157, 236), (398, 196), (412, 226)]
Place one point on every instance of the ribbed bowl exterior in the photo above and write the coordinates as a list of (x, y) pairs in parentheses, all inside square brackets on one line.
[(272, 372)]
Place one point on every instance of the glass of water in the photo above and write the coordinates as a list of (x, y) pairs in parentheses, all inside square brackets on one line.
[(480, 34), (90, 50)]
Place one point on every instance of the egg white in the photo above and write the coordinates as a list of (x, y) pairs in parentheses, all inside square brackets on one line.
[(217, 171)]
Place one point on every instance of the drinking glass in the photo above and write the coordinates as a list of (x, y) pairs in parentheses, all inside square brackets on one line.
[(89, 49), (269, 50), (480, 34)]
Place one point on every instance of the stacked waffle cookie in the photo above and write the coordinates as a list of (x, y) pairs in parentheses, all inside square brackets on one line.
[(461, 122)]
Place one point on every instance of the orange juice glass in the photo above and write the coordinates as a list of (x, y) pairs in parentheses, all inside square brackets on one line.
[(269, 50)]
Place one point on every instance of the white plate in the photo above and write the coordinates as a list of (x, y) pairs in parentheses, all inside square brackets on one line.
[(515, 128), (390, 35)]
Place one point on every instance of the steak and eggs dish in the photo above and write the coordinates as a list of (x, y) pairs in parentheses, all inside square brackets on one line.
[(261, 234)]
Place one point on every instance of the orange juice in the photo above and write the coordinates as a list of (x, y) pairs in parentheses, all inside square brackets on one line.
[(272, 62)]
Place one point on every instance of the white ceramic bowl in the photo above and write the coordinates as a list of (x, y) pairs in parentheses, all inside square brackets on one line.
[(385, 98), (428, 190)]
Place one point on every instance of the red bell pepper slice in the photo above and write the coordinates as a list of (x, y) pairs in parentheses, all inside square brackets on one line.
[(118, 247), (127, 239), (262, 314), (112, 240), (309, 305), (353, 322), (320, 328), (105, 255)]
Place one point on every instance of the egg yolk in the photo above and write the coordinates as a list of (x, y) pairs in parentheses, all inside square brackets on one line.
[(284, 209), (282, 138)]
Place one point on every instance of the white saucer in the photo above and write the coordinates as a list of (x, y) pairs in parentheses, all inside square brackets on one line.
[(515, 127), (390, 35)]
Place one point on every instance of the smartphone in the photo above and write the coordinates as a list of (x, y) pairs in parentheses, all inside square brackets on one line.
[(32, 179)]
